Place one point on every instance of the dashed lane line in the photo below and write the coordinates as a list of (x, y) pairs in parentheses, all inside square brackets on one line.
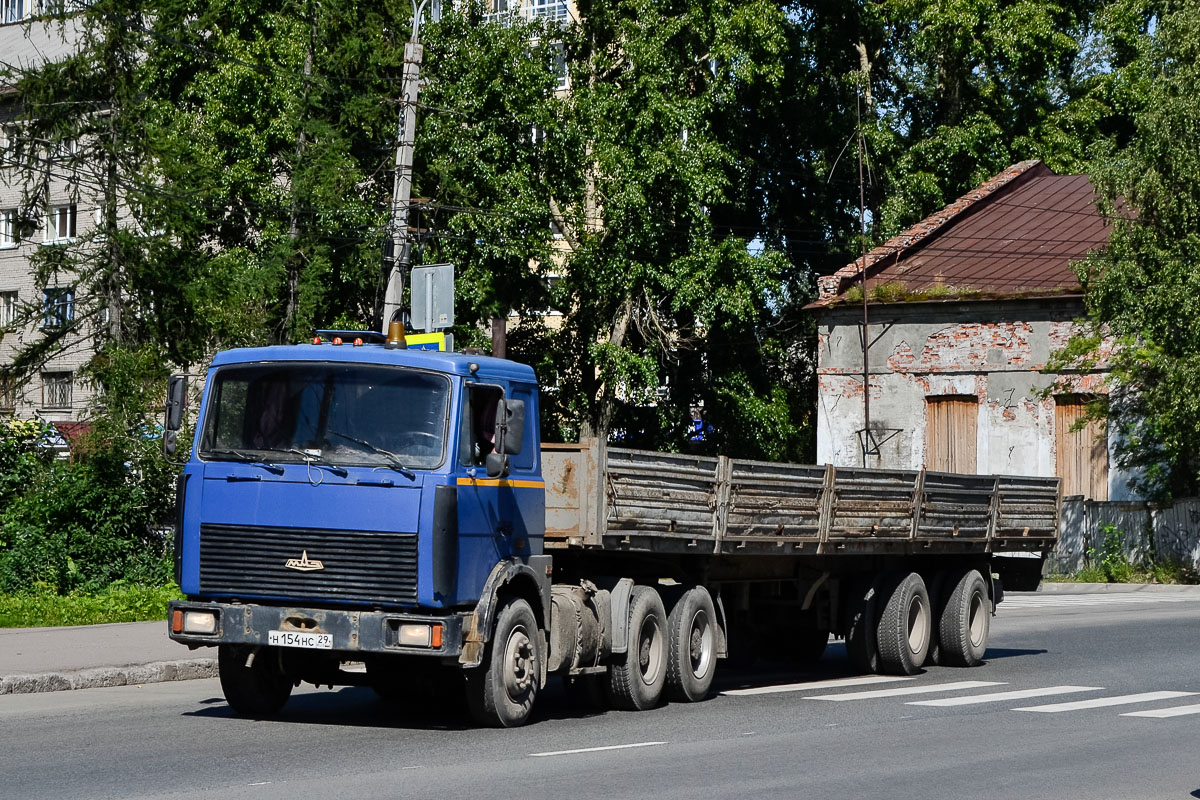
[(1102, 702), (595, 749), (832, 683), (1164, 713), (1000, 697), (898, 692)]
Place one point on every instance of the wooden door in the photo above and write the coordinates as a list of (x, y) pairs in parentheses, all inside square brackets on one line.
[(1081, 456), (950, 431)]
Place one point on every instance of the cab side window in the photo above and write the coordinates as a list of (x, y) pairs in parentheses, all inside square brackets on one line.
[(477, 436)]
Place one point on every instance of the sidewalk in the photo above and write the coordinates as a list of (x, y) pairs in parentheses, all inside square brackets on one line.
[(92, 656)]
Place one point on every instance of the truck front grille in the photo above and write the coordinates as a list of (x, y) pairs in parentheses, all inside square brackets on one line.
[(251, 561)]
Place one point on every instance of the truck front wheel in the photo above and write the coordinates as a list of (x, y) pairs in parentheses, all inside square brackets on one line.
[(637, 678), (500, 693), (253, 679), (692, 660)]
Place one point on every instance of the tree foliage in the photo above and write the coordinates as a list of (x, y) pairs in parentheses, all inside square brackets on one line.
[(1144, 291)]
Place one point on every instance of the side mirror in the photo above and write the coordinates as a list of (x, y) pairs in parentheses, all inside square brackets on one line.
[(510, 427), (497, 465), (176, 397)]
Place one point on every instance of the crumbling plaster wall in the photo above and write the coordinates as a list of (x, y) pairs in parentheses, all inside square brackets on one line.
[(991, 350)]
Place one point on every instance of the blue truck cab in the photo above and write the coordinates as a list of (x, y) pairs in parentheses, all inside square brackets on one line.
[(356, 503)]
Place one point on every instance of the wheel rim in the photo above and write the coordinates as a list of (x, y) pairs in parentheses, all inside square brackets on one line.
[(700, 644), (918, 624), (977, 621), (518, 661), (650, 650)]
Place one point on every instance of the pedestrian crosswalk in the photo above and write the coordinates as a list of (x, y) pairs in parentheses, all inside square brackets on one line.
[(962, 693), (1055, 600)]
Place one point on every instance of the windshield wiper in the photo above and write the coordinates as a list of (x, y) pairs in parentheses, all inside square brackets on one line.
[(274, 469), (393, 460), (316, 460)]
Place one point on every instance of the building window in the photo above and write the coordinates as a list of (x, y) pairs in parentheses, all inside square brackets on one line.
[(8, 227), (8, 309), (56, 390), (1081, 458), (950, 433), (58, 307), (60, 224), (553, 10), (12, 11)]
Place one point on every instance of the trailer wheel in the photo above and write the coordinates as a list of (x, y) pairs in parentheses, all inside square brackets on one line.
[(252, 679), (905, 623), (692, 658), (637, 678), (500, 692), (861, 608), (964, 621)]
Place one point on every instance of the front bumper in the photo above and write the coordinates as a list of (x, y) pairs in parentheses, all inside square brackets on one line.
[(353, 632)]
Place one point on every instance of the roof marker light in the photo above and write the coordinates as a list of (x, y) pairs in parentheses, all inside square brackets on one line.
[(358, 341), (316, 340), (337, 340)]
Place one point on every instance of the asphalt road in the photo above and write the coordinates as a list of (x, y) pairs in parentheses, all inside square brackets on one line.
[(1105, 677)]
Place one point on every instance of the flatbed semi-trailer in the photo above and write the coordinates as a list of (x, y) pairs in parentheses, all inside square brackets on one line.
[(382, 516)]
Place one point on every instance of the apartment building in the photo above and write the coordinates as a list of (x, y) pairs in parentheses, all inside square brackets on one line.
[(29, 310)]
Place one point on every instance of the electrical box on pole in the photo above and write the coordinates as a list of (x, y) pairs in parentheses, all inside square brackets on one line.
[(432, 291)]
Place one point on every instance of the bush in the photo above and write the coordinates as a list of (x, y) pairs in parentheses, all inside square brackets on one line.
[(119, 602)]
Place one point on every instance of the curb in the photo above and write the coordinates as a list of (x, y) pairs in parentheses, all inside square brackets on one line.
[(99, 677), (1065, 587)]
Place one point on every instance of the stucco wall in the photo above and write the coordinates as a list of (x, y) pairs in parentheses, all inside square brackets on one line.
[(991, 350)]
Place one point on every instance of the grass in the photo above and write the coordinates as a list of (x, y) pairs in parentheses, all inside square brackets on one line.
[(1168, 573), (117, 603)]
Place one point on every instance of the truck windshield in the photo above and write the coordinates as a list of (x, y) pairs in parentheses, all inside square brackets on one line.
[(357, 415)]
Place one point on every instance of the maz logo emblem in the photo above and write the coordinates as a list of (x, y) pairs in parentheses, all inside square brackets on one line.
[(303, 563)]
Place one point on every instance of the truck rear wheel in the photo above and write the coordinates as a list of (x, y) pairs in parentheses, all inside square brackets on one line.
[(965, 620), (636, 679), (500, 692), (905, 623), (252, 679), (692, 635)]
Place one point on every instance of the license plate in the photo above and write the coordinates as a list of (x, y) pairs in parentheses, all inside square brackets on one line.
[(312, 641)]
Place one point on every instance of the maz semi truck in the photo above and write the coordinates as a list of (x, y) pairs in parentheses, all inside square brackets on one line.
[(367, 514)]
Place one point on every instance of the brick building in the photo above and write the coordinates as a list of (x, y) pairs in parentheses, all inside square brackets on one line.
[(965, 309)]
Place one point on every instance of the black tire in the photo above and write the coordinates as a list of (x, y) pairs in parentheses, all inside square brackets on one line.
[(861, 607), (253, 679), (692, 639), (501, 691), (637, 678), (965, 621), (905, 625)]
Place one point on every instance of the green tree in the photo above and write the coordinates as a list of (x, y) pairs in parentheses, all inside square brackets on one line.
[(1143, 290)]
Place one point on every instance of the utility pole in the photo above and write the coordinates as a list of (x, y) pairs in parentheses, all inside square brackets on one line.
[(398, 254)]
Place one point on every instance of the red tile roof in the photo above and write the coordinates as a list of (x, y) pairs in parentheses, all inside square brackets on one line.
[(1017, 234)]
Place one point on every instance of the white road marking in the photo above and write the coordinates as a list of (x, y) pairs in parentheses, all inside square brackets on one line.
[(1101, 702), (832, 683), (997, 697), (595, 749), (1066, 600), (1163, 713), (928, 689)]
